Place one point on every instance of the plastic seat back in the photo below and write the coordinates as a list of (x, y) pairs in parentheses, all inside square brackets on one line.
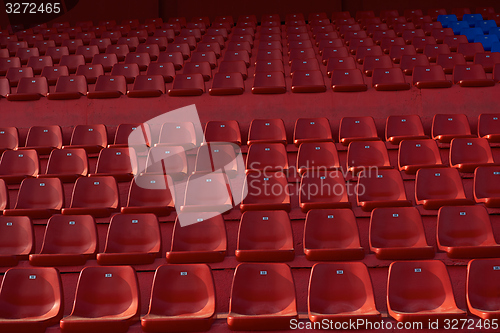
[(90, 137), (356, 129), (487, 127), (17, 165), (95, 192), (17, 239), (120, 163), (9, 138), (150, 193), (482, 284)]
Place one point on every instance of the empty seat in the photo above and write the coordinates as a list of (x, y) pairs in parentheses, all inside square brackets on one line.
[(169, 310), (17, 239), (454, 41), (265, 236), (322, 190), (421, 289), (372, 62), (198, 237), (170, 160), (335, 52), (92, 138), (269, 66), (74, 44), (227, 84), (43, 139), (150, 194), (15, 74), (178, 134), (166, 70), (129, 71), (404, 127), (487, 60), (305, 65), (487, 127), (30, 89), (267, 157), (120, 50), (305, 81), (132, 239), (106, 60), (258, 198), (408, 62), (120, 163), (38, 198), (7, 63), (223, 131), (485, 186), (187, 85), (469, 50), (9, 138), (38, 63), (207, 192), (367, 155), (101, 43), (255, 285), (141, 59), (381, 188), (96, 196), (446, 127), (72, 62), (31, 299), (267, 130), (430, 77), (357, 129), (69, 87), (448, 61), (269, 83), (346, 80), (317, 156), (106, 299), (17, 165), (90, 72), (4, 87), (437, 187), (108, 86), (441, 33), (56, 53), (482, 282), (466, 154), (341, 292), (389, 79), (234, 67), (219, 156), (417, 154), (69, 240), (331, 234), (421, 42), (471, 76), (312, 130), (466, 232), (147, 86), (433, 51), (397, 233)]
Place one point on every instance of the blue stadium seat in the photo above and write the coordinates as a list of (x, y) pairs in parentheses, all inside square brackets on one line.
[(446, 19), (471, 33), (486, 40)]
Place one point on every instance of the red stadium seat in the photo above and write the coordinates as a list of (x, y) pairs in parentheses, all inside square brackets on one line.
[(166, 70), (441, 33), (341, 292), (132, 239), (17, 165), (258, 198), (120, 163), (346, 80), (141, 59), (15, 74), (120, 50), (471, 76), (482, 282), (409, 35), (234, 67), (466, 232), (397, 233), (72, 62), (317, 156), (265, 236), (38, 198), (487, 60), (237, 56), (69, 240), (312, 130), (379, 34), (389, 79), (446, 127), (357, 129), (356, 42), (332, 234), (202, 68), (43, 139), (396, 52), (169, 160), (106, 60), (223, 131), (67, 164), (13, 46), (90, 72), (469, 50), (161, 43), (386, 43), (218, 156), (168, 308), (364, 51), (340, 64), (4, 87), (323, 190), (404, 127), (269, 83), (408, 62), (306, 81), (92, 138), (96, 196), (367, 155), (256, 284), (31, 299), (269, 66), (420, 43), (417, 154), (454, 41), (150, 194), (56, 52), (198, 237), (335, 52), (129, 71), (25, 53), (381, 188), (178, 134), (109, 86), (101, 43), (267, 131), (208, 56), (421, 289), (432, 51), (267, 157), (88, 52), (227, 84), (69, 87), (187, 85), (372, 62), (38, 63), (147, 86), (304, 65), (53, 73), (183, 48), (449, 61), (437, 187), (17, 239), (85, 37), (114, 302), (466, 154), (430, 77), (488, 127), (485, 188), (9, 138), (207, 192)]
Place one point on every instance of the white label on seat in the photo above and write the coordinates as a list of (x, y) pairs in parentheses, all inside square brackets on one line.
[(322, 177), (20, 155), (450, 119), (266, 178), (42, 184), (496, 173), (9, 224), (462, 213), (340, 272), (184, 273), (496, 268), (318, 148), (469, 143), (91, 129), (152, 181), (380, 176), (367, 147), (437, 174), (418, 270), (263, 272), (45, 131), (108, 275), (269, 75), (118, 153), (209, 180), (312, 123), (395, 215), (495, 118), (267, 124), (418, 145), (265, 218), (135, 221), (32, 277), (228, 76), (96, 183), (427, 69), (267, 149), (199, 219), (403, 120), (72, 222), (356, 121)]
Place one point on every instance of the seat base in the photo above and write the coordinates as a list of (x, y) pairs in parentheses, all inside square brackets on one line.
[(372, 316), (32, 213), (23, 97), (404, 253), (104, 94), (50, 260), (264, 206), (472, 252), (433, 204), (126, 258), (391, 86), (307, 206), (144, 93), (64, 95), (349, 87), (433, 84), (265, 255), (183, 257), (94, 211), (368, 206), (158, 323), (157, 210), (335, 254), (78, 324), (185, 92), (477, 83), (237, 322)]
